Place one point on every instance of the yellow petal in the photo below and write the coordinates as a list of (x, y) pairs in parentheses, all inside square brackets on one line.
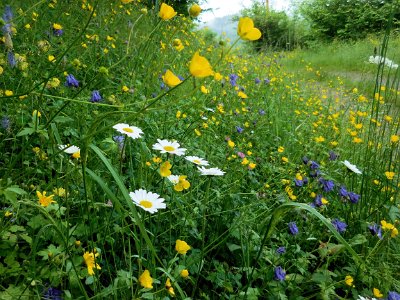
[(166, 12), (252, 35), (200, 67), (171, 79), (244, 26)]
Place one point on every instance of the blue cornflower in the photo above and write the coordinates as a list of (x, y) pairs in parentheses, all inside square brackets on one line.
[(339, 225), (280, 274), (261, 112), (257, 81), (281, 250), (376, 229), (353, 197), (293, 228), (393, 296), (181, 77), (343, 192), (71, 81), (239, 129), (96, 97), (267, 81), (305, 160), (327, 185)]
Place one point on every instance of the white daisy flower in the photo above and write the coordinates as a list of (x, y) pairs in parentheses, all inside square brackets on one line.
[(69, 149), (174, 179), (166, 146), (197, 160), (211, 171), (131, 131), (352, 167), (149, 201)]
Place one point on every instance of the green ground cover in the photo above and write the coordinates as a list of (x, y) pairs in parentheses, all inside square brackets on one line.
[(139, 161)]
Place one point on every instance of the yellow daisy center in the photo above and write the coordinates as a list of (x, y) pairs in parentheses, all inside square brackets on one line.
[(146, 203), (196, 161), (169, 148), (127, 129)]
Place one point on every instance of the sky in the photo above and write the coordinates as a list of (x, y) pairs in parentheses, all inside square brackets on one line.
[(223, 8)]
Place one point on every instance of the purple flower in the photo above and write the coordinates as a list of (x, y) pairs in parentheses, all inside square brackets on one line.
[(314, 165), (343, 192), (266, 81), (241, 154), (305, 160), (239, 129), (327, 185), (257, 81), (376, 229), (71, 81), (233, 78), (7, 15), (58, 32), (333, 155), (393, 296), (52, 294), (181, 77), (318, 201), (280, 274), (96, 97), (315, 173), (5, 122), (281, 250), (261, 112), (7, 29), (353, 197), (11, 59), (119, 139), (298, 183), (339, 225), (293, 228)]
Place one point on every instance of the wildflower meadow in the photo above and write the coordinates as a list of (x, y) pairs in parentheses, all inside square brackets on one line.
[(141, 160)]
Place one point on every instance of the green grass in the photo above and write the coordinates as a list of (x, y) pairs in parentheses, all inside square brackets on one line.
[(347, 60), (278, 130)]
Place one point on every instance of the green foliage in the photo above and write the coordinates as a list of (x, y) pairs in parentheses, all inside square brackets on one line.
[(279, 30), (344, 19), (69, 223)]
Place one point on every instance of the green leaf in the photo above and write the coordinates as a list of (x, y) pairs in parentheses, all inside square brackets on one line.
[(233, 247), (26, 131), (89, 280)]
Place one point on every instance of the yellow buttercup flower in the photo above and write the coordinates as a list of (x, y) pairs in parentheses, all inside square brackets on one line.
[(165, 169), (171, 79), (181, 247), (184, 273), (349, 280), (89, 258), (126, 1), (200, 67), (45, 200), (145, 280), (247, 31), (377, 293), (166, 12), (389, 175), (194, 10)]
